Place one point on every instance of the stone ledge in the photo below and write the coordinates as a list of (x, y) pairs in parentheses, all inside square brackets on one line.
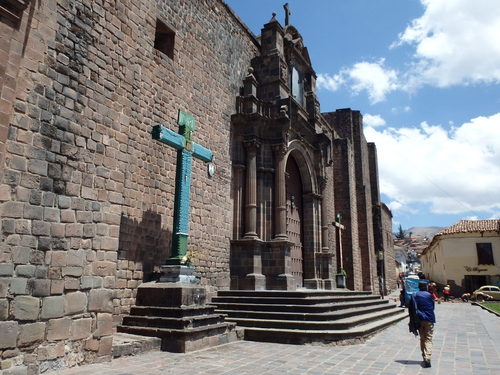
[(125, 344)]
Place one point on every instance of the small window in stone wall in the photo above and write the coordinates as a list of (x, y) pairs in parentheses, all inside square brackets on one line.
[(484, 253), (12, 10), (164, 39)]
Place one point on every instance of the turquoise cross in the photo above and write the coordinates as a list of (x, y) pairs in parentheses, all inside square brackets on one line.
[(186, 149)]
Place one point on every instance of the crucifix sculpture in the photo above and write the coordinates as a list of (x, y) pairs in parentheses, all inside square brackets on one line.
[(287, 13), (186, 149), (340, 227)]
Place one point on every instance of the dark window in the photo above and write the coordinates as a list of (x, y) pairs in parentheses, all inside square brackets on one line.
[(484, 253), (297, 85), (164, 39), (12, 10)]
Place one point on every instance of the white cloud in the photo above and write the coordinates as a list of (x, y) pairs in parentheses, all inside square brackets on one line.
[(404, 109), (329, 82), (373, 120), (456, 42), (372, 77), (453, 171)]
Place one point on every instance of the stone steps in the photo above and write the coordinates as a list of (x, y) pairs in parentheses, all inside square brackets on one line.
[(188, 339), (173, 323), (290, 294), (313, 300), (306, 309), (357, 334), (301, 316), (179, 316), (307, 316), (339, 324), (125, 344)]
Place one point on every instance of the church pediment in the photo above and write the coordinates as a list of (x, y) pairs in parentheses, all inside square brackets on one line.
[(295, 39)]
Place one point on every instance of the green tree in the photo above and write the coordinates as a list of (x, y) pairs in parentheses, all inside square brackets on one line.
[(400, 235)]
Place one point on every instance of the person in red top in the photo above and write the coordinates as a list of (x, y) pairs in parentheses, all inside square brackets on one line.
[(446, 293), (433, 291)]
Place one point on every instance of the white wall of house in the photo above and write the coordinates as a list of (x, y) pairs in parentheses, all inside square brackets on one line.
[(454, 255)]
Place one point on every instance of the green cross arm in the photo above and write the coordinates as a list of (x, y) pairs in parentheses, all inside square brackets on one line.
[(202, 153), (164, 135), (178, 141)]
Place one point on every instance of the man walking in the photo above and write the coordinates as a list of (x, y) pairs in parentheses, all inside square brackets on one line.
[(424, 305)]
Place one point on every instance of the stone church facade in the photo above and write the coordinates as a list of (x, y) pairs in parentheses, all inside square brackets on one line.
[(86, 193)]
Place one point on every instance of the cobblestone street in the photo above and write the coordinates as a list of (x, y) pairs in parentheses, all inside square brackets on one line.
[(467, 341)]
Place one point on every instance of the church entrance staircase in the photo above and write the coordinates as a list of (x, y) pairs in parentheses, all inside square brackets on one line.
[(300, 317)]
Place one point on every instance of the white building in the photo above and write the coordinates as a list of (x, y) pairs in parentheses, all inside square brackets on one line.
[(465, 255)]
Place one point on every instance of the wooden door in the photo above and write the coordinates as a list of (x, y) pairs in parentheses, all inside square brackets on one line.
[(294, 219)]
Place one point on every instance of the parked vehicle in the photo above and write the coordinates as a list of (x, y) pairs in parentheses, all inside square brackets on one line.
[(491, 290)]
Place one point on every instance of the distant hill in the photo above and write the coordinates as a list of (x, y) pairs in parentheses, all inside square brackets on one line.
[(423, 231)]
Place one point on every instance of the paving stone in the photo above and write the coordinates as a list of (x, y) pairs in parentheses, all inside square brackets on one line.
[(392, 351)]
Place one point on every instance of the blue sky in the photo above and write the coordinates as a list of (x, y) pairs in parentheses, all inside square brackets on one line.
[(425, 74)]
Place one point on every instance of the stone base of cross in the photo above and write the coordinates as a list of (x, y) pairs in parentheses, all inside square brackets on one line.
[(186, 149)]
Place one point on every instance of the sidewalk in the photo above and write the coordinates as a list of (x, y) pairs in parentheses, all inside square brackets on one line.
[(466, 341)]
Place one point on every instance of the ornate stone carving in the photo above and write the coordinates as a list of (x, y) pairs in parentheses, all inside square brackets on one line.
[(251, 144), (280, 150)]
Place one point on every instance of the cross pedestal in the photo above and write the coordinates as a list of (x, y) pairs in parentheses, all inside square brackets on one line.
[(186, 149)]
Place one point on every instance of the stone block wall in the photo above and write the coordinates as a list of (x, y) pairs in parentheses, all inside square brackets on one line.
[(365, 204), (86, 194), (391, 272), (345, 204)]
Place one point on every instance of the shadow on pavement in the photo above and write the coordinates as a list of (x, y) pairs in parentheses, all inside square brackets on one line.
[(408, 362)]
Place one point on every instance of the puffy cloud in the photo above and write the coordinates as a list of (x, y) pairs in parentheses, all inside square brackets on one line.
[(371, 77), (373, 120), (453, 171), (456, 42), (330, 82)]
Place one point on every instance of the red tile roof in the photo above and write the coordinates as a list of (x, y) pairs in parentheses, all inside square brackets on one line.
[(465, 226)]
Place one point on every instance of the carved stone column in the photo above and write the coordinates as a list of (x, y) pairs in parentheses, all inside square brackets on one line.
[(251, 147), (324, 217), (280, 193)]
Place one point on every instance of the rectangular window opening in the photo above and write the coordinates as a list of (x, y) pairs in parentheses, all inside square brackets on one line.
[(484, 253), (12, 10), (164, 39)]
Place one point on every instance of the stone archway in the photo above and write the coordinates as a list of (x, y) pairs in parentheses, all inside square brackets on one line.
[(295, 219), (307, 212)]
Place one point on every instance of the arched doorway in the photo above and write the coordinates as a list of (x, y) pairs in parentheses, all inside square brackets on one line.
[(295, 219)]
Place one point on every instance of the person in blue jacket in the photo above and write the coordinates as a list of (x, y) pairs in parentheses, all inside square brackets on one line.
[(423, 311)]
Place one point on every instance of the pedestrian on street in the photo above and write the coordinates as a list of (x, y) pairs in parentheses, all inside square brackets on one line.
[(402, 295), (433, 291), (446, 293), (422, 317)]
